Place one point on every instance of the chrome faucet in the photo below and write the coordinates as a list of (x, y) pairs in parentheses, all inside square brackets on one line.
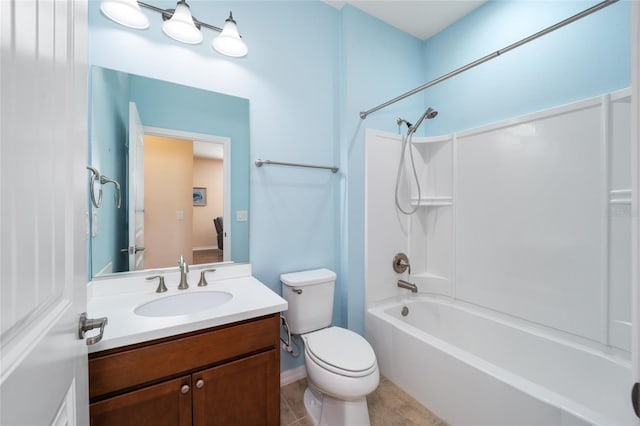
[(184, 270), (408, 286)]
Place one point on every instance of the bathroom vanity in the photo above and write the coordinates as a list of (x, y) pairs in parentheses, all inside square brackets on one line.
[(217, 366)]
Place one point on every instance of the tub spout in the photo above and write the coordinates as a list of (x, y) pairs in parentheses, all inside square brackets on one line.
[(408, 286)]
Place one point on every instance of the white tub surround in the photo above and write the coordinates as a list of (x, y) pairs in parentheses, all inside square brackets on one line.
[(117, 297), (526, 224)]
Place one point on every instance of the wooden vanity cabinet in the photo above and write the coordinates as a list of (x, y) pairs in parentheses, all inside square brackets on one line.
[(161, 405), (228, 375)]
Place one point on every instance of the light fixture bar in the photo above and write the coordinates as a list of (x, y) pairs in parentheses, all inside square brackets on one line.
[(179, 24), (169, 13)]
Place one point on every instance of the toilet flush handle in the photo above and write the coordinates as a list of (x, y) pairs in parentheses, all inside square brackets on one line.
[(297, 290)]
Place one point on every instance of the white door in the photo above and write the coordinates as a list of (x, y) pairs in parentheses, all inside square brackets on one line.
[(635, 135), (136, 190), (43, 207)]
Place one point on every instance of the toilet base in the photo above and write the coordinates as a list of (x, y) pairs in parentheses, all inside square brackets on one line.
[(327, 411)]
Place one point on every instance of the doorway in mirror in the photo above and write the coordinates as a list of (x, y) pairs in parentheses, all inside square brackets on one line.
[(186, 188)]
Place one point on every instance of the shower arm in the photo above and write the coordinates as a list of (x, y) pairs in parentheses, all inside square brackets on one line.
[(493, 55)]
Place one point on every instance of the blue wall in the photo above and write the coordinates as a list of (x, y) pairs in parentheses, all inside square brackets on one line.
[(378, 63), (308, 78), (583, 59), (110, 115)]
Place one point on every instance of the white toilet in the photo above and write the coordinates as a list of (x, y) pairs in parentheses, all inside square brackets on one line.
[(341, 365)]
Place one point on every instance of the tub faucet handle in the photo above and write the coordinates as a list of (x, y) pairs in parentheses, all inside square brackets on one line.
[(401, 263)]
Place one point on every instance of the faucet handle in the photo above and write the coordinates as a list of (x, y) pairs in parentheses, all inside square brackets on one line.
[(203, 281), (161, 287), (401, 263)]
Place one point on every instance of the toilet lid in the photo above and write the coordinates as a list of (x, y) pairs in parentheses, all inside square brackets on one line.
[(341, 350)]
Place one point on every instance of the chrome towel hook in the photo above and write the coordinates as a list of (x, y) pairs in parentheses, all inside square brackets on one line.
[(95, 175)]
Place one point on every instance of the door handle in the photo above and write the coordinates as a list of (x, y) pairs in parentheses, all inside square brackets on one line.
[(132, 250), (85, 324)]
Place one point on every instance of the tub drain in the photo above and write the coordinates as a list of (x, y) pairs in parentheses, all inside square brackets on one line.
[(404, 311)]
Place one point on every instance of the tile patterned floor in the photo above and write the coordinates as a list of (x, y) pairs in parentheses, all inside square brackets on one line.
[(388, 406)]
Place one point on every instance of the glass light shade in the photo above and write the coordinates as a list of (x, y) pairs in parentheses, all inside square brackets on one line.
[(125, 12), (228, 42), (181, 27)]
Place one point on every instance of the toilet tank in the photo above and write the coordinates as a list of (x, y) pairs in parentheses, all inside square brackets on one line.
[(310, 298)]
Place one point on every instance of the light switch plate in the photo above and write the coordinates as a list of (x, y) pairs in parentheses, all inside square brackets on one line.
[(242, 215)]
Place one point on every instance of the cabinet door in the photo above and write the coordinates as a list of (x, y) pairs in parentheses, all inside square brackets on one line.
[(244, 392), (167, 403)]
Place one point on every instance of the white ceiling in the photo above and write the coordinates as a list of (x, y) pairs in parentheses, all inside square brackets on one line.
[(420, 18)]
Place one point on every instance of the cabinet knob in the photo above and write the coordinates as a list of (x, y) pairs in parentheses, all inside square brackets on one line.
[(184, 389), (200, 384)]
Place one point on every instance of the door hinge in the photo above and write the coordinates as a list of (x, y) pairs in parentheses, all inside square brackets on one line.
[(635, 398)]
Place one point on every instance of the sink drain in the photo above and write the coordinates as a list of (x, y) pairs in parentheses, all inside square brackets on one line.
[(404, 311)]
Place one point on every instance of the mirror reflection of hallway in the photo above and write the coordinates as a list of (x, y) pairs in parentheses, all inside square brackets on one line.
[(175, 171)]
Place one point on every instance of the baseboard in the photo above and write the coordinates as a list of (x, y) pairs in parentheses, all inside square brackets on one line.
[(200, 248), (292, 375)]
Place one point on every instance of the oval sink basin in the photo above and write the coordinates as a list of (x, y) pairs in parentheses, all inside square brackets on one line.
[(183, 304)]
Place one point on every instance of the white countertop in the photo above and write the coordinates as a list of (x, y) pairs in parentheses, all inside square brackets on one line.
[(117, 297)]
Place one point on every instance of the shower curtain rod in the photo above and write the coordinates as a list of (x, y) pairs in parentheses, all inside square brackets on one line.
[(493, 55)]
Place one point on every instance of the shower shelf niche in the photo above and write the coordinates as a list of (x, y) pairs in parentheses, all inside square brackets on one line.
[(431, 227)]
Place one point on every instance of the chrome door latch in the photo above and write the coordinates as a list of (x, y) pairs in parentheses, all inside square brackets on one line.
[(132, 249), (85, 324)]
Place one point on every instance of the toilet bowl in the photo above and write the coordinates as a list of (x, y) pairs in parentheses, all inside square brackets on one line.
[(342, 370), (341, 365)]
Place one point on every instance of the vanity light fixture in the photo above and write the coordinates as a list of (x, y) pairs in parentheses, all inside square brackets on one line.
[(178, 24)]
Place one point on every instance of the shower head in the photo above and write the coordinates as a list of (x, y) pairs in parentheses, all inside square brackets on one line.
[(428, 114)]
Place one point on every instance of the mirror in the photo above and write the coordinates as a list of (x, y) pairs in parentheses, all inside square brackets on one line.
[(207, 189)]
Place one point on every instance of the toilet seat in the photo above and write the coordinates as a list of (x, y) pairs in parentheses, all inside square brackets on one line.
[(341, 351)]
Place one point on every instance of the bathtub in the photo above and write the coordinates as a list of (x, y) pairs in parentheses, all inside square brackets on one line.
[(472, 366)]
